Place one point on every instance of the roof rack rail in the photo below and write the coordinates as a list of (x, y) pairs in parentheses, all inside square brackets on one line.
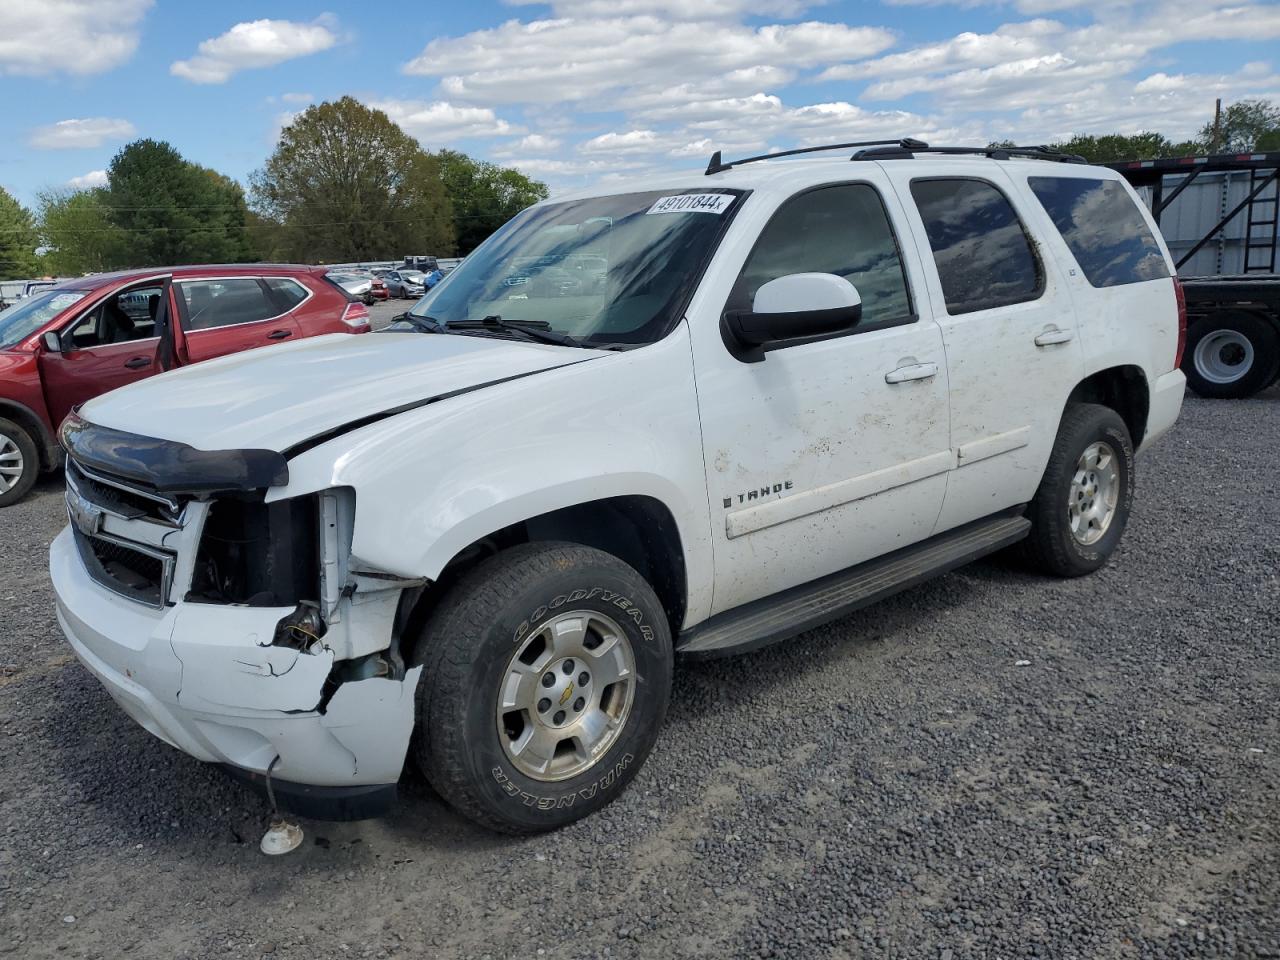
[(719, 166), (904, 149), (1040, 152)]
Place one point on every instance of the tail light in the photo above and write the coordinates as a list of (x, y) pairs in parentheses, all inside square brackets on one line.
[(1182, 322), (356, 316)]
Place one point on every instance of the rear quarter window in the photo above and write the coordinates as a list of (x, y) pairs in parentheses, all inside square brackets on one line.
[(1103, 228)]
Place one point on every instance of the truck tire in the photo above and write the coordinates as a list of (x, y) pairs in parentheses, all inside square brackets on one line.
[(546, 676), (19, 462), (1231, 354), (1079, 512)]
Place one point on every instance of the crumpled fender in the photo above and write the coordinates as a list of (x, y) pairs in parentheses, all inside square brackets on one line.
[(433, 480)]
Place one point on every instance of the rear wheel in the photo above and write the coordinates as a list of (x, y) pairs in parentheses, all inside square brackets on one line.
[(1080, 510), (1231, 354), (547, 671), (19, 462)]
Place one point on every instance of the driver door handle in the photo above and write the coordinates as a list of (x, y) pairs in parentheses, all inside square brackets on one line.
[(1054, 335), (279, 334), (912, 371), (137, 363)]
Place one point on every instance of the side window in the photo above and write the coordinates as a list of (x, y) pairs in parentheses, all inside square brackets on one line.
[(122, 317), (985, 258), (224, 303), (1101, 224), (842, 230), (288, 293)]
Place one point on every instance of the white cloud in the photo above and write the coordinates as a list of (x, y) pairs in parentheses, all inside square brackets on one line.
[(79, 134), (537, 143), (675, 9), (440, 122), (68, 36), (94, 178), (297, 97), (542, 61), (253, 44)]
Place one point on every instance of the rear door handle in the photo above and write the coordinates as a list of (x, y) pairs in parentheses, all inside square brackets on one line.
[(1054, 335), (912, 371), (137, 363), (279, 334)]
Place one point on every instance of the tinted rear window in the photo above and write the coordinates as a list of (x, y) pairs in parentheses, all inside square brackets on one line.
[(983, 254), (1104, 229)]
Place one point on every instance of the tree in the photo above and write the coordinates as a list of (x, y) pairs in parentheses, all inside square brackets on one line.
[(173, 211), (345, 183), (1245, 126), (77, 228), (18, 239), (1112, 147), (484, 195)]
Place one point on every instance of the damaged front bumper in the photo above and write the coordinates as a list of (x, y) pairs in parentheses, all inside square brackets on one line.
[(207, 679)]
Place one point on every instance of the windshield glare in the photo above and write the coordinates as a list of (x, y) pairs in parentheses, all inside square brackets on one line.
[(26, 317), (605, 270)]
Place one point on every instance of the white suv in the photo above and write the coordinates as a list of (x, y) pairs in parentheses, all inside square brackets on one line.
[(689, 417)]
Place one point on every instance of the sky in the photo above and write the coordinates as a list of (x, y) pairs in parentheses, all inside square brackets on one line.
[(574, 92)]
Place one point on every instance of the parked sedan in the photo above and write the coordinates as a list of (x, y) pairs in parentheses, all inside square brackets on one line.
[(84, 337), (358, 285), (406, 284)]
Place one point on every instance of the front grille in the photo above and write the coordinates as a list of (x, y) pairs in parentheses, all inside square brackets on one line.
[(131, 570), (120, 497)]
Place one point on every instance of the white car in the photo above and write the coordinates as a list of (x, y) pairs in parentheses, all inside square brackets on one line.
[(688, 416)]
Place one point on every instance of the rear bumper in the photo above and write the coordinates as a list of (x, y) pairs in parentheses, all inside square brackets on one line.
[(207, 680), (1166, 403)]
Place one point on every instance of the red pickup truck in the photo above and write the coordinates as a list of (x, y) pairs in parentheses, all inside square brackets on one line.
[(84, 337)]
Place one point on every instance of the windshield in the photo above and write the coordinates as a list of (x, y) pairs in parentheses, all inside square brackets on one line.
[(606, 270), (26, 317)]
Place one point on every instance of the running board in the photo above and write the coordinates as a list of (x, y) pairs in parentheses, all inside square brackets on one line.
[(801, 608)]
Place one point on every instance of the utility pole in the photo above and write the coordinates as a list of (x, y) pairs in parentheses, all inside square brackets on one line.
[(1217, 126)]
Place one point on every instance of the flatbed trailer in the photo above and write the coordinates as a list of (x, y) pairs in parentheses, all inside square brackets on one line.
[(1233, 329)]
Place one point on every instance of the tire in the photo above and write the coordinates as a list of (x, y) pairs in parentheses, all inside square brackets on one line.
[(1231, 354), (17, 451), (1064, 543), (497, 622)]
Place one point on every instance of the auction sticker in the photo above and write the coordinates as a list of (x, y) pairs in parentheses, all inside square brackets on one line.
[(692, 203)]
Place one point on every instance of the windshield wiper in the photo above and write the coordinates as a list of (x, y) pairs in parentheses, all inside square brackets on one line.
[(534, 329), (424, 323)]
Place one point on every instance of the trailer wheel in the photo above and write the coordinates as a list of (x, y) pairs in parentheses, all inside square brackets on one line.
[(1231, 354)]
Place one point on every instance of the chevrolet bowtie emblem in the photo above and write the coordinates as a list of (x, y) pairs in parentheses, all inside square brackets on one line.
[(568, 692)]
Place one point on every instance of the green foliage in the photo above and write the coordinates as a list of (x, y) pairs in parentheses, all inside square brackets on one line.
[(18, 239), (484, 195), (174, 211), (77, 228), (1246, 125), (345, 183), (1113, 147)]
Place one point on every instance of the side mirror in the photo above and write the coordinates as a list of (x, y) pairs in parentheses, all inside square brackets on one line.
[(799, 306), (52, 342)]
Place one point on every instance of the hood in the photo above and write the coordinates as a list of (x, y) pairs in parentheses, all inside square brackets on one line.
[(277, 397)]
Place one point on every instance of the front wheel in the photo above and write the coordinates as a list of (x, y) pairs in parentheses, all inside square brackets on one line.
[(1079, 512), (19, 462), (547, 671), (1231, 354)]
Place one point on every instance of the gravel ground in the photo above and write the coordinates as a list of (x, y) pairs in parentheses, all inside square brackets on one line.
[(992, 765)]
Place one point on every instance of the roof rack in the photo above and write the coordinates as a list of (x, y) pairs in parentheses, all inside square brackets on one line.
[(719, 166), (902, 149)]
